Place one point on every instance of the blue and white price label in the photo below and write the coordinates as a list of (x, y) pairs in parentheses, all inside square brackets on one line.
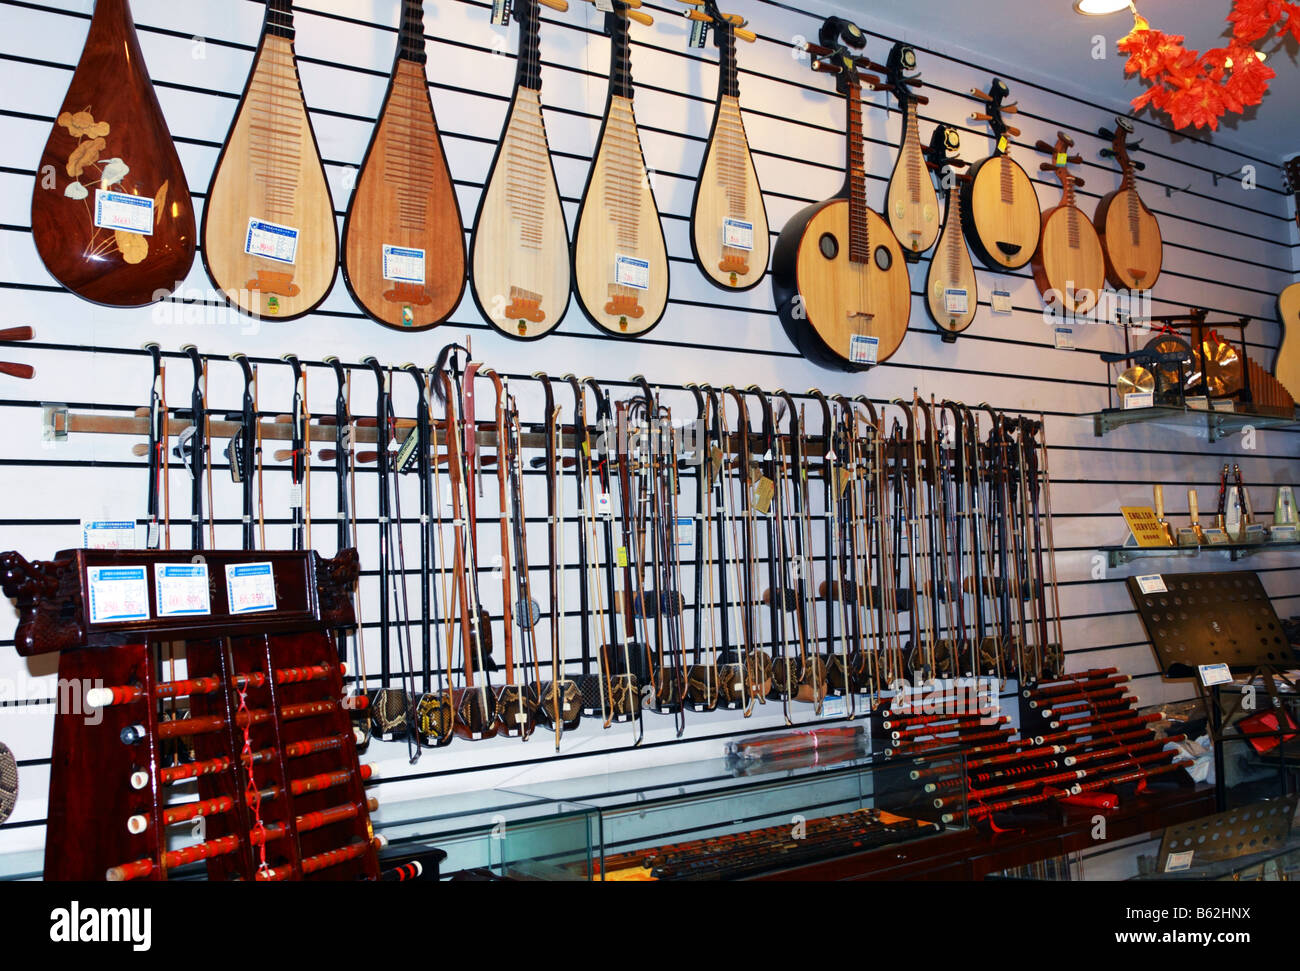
[(1212, 674), (107, 535), (117, 593), (632, 272), (403, 265), (272, 241), (737, 234), (864, 349), (121, 210), (181, 589), (250, 587)]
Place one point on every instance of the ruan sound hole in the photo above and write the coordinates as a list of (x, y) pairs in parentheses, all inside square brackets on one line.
[(884, 258), (829, 245)]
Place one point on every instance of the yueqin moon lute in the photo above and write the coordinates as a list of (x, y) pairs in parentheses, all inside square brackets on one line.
[(729, 229), (1000, 207), (1130, 235), (838, 276), (112, 217), (403, 244), (951, 291), (620, 261), (270, 241), (911, 202), (1069, 258), (519, 255)]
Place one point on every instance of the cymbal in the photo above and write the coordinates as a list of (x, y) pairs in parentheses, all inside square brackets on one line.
[(1222, 364), (1135, 380)]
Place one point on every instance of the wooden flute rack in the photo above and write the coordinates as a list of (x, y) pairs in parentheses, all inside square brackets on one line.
[(280, 791)]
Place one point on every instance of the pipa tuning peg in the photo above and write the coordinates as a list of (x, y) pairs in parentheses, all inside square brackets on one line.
[(1043, 146), (1133, 146), (1078, 181), (1107, 153), (1140, 166), (1106, 133), (1011, 109)]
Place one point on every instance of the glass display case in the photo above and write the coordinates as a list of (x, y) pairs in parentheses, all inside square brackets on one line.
[(729, 819), (492, 834)]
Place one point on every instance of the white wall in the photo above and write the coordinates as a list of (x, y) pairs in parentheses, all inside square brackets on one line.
[(1226, 249)]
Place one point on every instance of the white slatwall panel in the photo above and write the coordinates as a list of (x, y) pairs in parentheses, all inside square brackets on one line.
[(1227, 249)]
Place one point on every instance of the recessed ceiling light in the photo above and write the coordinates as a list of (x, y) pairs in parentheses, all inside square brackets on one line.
[(1097, 8)]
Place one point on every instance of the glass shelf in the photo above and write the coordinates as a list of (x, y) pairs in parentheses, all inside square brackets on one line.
[(761, 810), (1217, 424), (1119, 555)]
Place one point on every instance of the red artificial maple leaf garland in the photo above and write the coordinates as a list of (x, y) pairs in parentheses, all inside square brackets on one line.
[(1198, 89)]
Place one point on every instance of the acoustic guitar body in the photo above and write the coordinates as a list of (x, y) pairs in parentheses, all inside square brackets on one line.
[(1069, 259), (112, 217), (1001, 214), (620, 261), (1130, 240), (270, 240), (729, 229), (403, 242), (520, 251), (911, 202), (826, 302), (1287, 368), (951, 291)]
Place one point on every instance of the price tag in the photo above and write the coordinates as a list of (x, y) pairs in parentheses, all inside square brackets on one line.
[(761, 494), (632, 272), (1003, 144), (105, 535), (121, 210), (863, 349), (1062, 160), (1212, 674), (1283, 534), (1214, 536), (295, 495), (181, 589), (955, 300), (685, 531), (604, 6), (699, 32), (403, 265), (1199, 402), (1153, 583), (833, 707), (603, 506), (118, 593), (271, 241), (250, 587), (1001, 301), (500, 13), (620, 556), (1223, 404), (1065, 338), (1179, 861), (1139, 399), (737, 234), (1255, 533)]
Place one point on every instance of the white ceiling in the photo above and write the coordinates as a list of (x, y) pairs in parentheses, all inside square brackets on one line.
[(1050, 43)]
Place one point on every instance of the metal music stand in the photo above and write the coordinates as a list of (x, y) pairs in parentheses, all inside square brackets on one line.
[(1218, 618)]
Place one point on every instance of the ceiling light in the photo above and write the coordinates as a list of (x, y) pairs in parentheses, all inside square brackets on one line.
[(1097, 8)]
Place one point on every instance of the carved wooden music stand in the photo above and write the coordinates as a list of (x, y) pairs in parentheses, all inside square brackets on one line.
[(280, 791)]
